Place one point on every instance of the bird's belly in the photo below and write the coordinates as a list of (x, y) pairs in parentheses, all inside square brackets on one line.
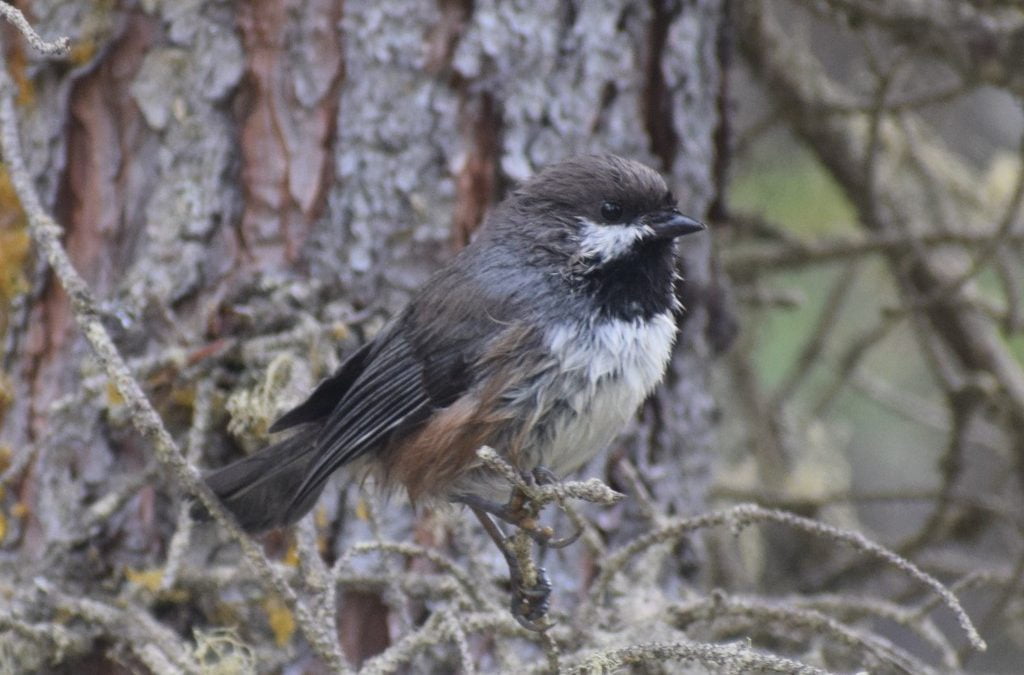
[(605, 372), (586, 426)]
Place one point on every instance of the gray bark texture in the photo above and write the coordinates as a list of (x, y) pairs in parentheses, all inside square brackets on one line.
[(249, 190)]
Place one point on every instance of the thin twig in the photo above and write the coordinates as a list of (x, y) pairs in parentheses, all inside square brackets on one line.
[(719, 658), (744, 613), (743, 515), (745, 264), (59, 47)]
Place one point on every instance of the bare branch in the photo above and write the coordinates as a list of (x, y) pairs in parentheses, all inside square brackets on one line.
[(748, 263), (782, 618), (743, 515), (59, 47), (722, 658)]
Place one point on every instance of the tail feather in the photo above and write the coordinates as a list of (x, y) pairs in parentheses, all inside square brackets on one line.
[(259, 490)]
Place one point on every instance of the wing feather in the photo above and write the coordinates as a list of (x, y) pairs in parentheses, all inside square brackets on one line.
[(383, 402), (423, 362), (321, 402), (381, 384), (388, 395)]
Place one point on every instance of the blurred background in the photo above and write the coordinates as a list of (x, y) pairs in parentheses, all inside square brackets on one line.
[(251, 189)]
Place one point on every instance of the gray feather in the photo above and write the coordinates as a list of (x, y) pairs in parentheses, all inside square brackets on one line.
[(259, 489)]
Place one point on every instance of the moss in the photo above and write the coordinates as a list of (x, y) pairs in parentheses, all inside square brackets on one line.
[(14, 247), (148, 579), (82, 51), (222, 651)]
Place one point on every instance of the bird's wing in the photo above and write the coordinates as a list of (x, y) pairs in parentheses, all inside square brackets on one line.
[(321, 402), (421, 363), (387, 396)]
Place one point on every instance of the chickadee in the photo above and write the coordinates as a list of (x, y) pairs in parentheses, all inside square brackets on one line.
[(540, 339)]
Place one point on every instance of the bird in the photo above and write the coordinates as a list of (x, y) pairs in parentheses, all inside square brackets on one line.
[(540, 339)]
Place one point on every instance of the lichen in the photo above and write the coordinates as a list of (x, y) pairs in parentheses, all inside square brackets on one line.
[(222, 652), (281, 619)]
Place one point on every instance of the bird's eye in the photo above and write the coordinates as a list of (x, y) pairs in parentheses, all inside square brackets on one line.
[(611, 212)]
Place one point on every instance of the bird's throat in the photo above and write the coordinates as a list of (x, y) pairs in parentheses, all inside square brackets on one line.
[(637, 285)]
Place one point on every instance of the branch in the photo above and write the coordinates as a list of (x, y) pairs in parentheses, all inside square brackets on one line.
[(721, 658), (803, 90), (745, 264), (592, 490), (783, 619), (59, 47), (743, 515), (981, 45)]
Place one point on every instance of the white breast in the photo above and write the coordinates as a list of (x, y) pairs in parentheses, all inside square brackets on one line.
[(606, 371)]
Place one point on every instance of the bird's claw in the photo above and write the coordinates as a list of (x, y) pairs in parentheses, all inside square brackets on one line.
[(565, 541), (545, 536), (543, 476), (530, 604), (513, 514)]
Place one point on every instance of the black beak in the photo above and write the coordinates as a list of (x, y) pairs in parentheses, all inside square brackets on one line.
[(669, 224)]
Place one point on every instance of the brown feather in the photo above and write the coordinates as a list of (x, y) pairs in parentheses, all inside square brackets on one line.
[(432, 459)]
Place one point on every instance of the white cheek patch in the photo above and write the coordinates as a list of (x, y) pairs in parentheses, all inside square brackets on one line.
[(607, 242)]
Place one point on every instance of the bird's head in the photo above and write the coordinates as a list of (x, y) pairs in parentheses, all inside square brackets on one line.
[(600, 209)]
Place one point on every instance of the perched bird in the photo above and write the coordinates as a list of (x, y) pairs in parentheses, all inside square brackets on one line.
[(540, 339)]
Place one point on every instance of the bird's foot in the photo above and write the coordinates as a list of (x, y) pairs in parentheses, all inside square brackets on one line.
[(530, 601), (530, 604), (521, 512), (562, 542), (543, 476), (514, 513)]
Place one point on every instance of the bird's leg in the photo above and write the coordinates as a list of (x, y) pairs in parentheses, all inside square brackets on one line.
[(524, 512), (514, 512), (521, 512), (562, 542), (530, 598), (541, 475)]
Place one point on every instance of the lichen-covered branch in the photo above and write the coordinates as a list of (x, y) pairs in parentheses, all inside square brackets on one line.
[(59, 47)]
